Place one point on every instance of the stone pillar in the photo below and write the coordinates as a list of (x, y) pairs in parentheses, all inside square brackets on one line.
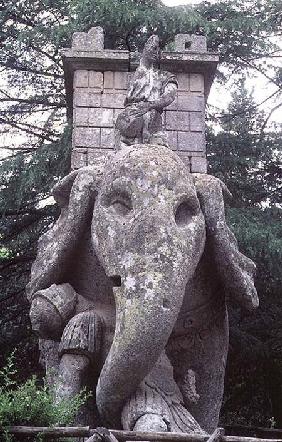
[(96, 85)]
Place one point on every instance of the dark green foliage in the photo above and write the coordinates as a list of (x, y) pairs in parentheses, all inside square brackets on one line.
[(27, 212), (236, 29), (262, 240), (254, 375), (249, 162), (243, 156), (32, 404)]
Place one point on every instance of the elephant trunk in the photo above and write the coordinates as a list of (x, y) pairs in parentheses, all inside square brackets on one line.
[(148, 231), (147, 306)]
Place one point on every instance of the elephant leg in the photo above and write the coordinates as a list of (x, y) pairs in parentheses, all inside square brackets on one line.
[(71, 374), (210, 374), (49, 360), (80, 357)]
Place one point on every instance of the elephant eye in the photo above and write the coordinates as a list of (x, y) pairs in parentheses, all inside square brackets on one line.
[(121, 203), (184, 213)]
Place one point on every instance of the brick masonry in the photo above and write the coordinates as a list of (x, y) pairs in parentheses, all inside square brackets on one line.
[(98, 97)]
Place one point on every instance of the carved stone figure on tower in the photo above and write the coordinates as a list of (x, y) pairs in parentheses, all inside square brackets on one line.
[(149, 93)]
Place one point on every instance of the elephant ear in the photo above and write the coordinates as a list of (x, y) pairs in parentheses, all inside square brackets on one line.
[(62, 190), (75, 194), (235, 270)]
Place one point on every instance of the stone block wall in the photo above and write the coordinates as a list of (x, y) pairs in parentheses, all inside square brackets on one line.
[(98, 99), (97, 82), (184, 121)]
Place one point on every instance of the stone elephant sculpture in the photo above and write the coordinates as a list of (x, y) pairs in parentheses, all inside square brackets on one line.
[(131, 283)]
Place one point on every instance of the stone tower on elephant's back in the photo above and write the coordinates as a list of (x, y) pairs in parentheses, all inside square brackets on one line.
[(97, 82)]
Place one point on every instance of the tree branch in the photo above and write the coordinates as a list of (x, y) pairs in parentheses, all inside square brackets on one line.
[(29, 129), (267, 119), (33, 101), (17, 67), (261, 71)]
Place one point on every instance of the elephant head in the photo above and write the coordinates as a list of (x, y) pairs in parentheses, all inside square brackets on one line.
[(148, 232)]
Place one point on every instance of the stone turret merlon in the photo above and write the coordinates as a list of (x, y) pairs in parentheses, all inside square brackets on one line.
[(96, 84)]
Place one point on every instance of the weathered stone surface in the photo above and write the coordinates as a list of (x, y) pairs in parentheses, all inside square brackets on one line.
[(197, 122), (172, 139), (152, 407), (91, 41), (96, 37), (148, 326), (81, 116), (49, 359), (150, 91), (101, 117), (107, 138), (190, 102), (191, 141), (190, 43), (121, 80), (116, 113), (78, 158), (87, 97), (51, 309), (95, 155), (108, 80), (81, 78), (87, 137), (176, 120), (194, 67), (197, 83), (183, 82), (240, 270), (96, 79), (129, 286), (198, 164), (83, 335), (113, 100), (186, 158), (171, 106)]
